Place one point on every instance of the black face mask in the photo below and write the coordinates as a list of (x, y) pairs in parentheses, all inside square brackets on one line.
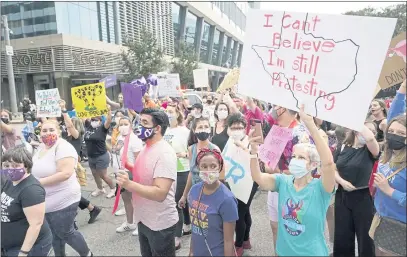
[(202, 136), (395, 142), (209, 101), (5, 120)]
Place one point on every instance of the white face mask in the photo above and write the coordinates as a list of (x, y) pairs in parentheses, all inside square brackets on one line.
[(222, 114), (196, 114), (124, 130), (209, 177), (298, 168), (237, 135), (95, 124)]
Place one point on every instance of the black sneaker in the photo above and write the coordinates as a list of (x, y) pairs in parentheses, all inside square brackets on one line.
[(94, 214)]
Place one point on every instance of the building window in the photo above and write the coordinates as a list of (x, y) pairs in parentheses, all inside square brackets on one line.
[(215, 46), (190, 27), (175, 20), (224, 57), (205, 42)]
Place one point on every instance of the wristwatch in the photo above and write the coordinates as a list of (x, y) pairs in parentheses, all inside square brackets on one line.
[(254, 156), (24, 252)]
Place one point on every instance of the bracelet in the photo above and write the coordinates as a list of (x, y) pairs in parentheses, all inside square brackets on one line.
[(24, 252)]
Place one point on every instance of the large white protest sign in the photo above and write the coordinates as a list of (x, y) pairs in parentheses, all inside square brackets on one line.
[(47, 102), (237, 171), (201, 78), (331, 63), (168, 85)]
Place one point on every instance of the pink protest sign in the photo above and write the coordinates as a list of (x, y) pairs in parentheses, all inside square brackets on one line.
[(274, 145)]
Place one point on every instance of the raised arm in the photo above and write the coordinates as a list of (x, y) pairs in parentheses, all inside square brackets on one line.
[(398, 106), (108, 120), (265, 180), (113, 104), (371, 141), (68, 122), (325, 154)]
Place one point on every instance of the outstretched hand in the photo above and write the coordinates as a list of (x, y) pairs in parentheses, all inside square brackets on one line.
[(307, 119)]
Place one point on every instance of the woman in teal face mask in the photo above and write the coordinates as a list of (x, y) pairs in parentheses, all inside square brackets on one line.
[(303, 200)]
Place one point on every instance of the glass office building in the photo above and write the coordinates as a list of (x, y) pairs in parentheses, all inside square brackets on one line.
[(91, 20)]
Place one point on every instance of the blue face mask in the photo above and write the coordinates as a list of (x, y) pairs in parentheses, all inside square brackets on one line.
[(145, 133), (298, 168)]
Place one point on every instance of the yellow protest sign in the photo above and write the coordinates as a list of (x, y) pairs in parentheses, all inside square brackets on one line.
[(89, 100)]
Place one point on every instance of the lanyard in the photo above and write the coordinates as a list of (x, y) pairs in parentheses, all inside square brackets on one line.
[(199, 224)]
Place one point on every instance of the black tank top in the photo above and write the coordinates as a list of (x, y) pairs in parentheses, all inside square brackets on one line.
[(220, 139), (380, 134)]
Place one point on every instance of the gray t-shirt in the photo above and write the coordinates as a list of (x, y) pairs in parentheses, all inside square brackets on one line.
[(156, 161), (62, 194)]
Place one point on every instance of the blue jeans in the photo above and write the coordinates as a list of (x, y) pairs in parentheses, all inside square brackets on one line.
[(62, 227), (41, 248)]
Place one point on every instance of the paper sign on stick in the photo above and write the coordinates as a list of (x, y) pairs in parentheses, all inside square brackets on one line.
[(89, 100), (47, 102), (132, 96), (237, 171), (331, 63), (201, 78), (168, 85), (274, 145), (394, 68)]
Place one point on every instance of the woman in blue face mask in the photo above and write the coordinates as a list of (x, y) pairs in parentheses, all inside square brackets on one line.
[(303, 200)]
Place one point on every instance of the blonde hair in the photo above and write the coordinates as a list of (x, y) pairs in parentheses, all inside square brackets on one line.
[(399, 160), (53, 122), (77, 123)]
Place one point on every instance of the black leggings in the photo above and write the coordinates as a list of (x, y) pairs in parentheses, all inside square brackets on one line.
[(244, 222), (83, 203), (183, 214)]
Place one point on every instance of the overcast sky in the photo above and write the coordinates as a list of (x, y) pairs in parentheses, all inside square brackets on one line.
[(323, 7)]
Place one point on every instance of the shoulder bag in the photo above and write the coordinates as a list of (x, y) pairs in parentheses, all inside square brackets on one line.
[(389, 234)]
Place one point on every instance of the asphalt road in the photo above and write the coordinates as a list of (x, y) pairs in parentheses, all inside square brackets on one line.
[(104, 241)]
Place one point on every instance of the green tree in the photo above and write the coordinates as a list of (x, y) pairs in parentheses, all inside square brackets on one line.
[(394, 11), (184, 62), (143, 56)]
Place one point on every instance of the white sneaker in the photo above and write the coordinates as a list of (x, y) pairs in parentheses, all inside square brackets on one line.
[(98, 192), (120, 212), (111, 193), (186, 229), (135, 232), (126, 227)]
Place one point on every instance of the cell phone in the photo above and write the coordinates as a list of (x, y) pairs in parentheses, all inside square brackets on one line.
[(258, 131)]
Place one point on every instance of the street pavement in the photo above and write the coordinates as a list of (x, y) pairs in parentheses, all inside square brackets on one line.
[(103, 240)]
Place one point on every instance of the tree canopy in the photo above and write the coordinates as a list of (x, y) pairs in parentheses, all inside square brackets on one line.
[(184, 62), (143, 56), (394, 11)]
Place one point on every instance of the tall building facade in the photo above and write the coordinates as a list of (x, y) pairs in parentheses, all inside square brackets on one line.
[(65, 44)]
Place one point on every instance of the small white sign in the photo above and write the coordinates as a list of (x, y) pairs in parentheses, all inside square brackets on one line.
[(9, 50), (168, 85), (201, 78), (48, 103)]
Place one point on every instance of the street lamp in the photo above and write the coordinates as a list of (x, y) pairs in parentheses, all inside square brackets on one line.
[(9, 65)]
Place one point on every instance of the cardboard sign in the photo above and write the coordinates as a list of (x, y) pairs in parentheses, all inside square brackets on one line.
[(237, 171), (394, 68), (168, 85), (331, 63), (201, 78), (110, 81), (230, 80), (132, 96), (89, 100), (274, 144), (47, 102)]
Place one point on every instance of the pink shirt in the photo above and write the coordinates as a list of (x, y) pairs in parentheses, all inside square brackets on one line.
[(156, 161)]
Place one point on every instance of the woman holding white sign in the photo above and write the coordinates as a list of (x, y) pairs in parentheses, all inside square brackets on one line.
[(304, 200)]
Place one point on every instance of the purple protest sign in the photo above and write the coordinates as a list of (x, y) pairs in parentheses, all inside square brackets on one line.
[(132, 96), (274, 145), (110, 81)]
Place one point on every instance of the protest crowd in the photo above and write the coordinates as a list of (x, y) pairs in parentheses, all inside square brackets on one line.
[(182, 169)]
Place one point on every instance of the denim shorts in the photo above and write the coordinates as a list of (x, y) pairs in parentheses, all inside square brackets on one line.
[(99, 162)]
